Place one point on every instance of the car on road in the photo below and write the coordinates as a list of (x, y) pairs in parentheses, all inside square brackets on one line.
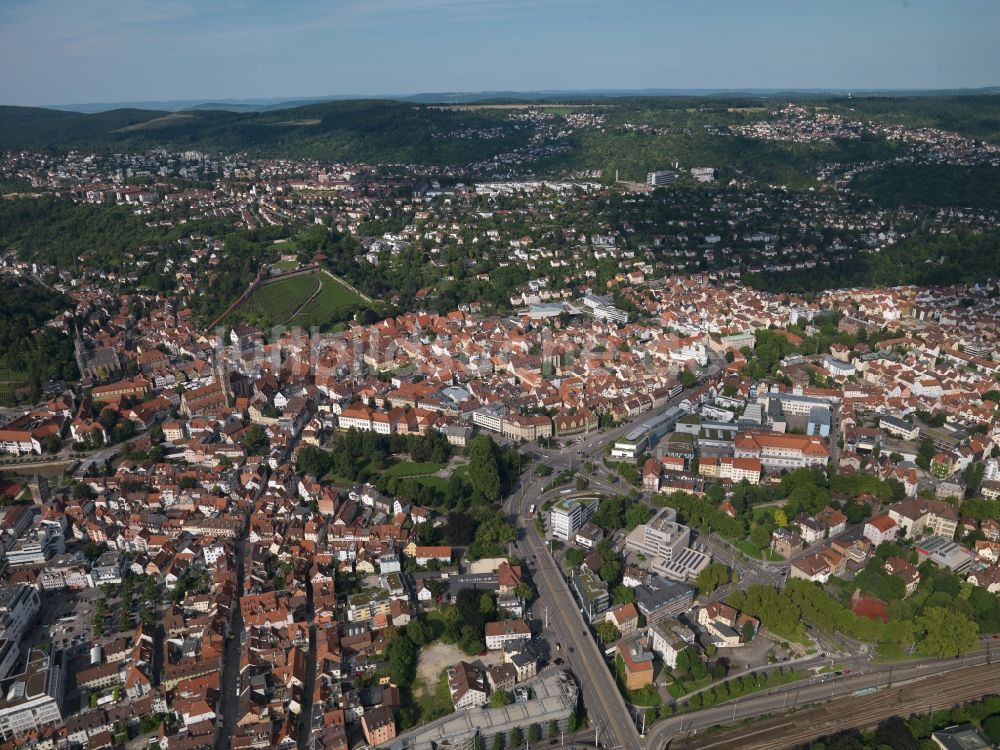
[(558, 646), (558, 662), (571, 649)]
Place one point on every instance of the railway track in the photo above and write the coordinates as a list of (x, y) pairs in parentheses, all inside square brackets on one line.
[(856, 712)]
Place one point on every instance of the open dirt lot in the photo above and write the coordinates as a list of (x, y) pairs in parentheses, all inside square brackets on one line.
[(433, 659)]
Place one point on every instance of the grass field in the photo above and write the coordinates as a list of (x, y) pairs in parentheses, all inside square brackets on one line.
[(748, 549), (283, 302), (333, 302), (409, 469), (275, 303), (436, 483)]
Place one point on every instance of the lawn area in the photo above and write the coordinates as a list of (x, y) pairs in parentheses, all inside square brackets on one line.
[(675, 690), (647, 696), (437, 483), (286, 265), (748, 549), (333, 303), (279, 302), (274, 303), (678, 688), (409, 469), (738, 687), (762, 511)]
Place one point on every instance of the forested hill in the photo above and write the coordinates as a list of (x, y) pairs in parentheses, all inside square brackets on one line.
[(633, 133), (372, 131)]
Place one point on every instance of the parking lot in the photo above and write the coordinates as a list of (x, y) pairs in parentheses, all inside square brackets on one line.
[(66, 621)]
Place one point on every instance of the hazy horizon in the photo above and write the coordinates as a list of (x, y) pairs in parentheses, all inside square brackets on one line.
[(108, 51)]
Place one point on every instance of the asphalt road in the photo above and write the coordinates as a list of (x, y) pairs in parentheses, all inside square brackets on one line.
[(229, 677), (605, 706)]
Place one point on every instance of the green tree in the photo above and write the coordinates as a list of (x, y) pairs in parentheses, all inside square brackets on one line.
[(760, 536), (498, 741), (553, 729), (636, 515), (487, 605), (516, 737), (575, 557), (255, 441), (313, 461), (492, 534), (610, 570), (991, 728), (713, 576), (945, 632), (500, 698), (534, 733), (484, 468), (925, 454), (607, 632), (623, 595), (402, 658)]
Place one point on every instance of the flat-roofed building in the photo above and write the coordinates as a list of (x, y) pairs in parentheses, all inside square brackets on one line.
[(945, 553), (33, 699), (592, 593), (499, 634), (568, 515), (659, 598)]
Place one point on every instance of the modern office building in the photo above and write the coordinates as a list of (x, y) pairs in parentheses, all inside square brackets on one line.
[(568, 515), (661, 177), (659, 598)]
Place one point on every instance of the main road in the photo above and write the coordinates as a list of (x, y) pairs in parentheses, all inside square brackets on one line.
[(606, 708)]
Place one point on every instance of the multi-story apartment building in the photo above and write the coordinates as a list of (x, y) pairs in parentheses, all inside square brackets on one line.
[(19, 606), (467, 685), (592, 592), (913, 516), (668, 638), (368, 605)]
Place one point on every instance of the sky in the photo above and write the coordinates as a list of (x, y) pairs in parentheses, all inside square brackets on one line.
[(69, 51)]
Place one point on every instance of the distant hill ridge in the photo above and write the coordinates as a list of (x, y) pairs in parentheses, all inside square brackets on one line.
[(414, 131), (465, 97)]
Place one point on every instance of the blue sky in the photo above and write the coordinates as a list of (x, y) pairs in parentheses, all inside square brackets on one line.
[(62, 51)]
